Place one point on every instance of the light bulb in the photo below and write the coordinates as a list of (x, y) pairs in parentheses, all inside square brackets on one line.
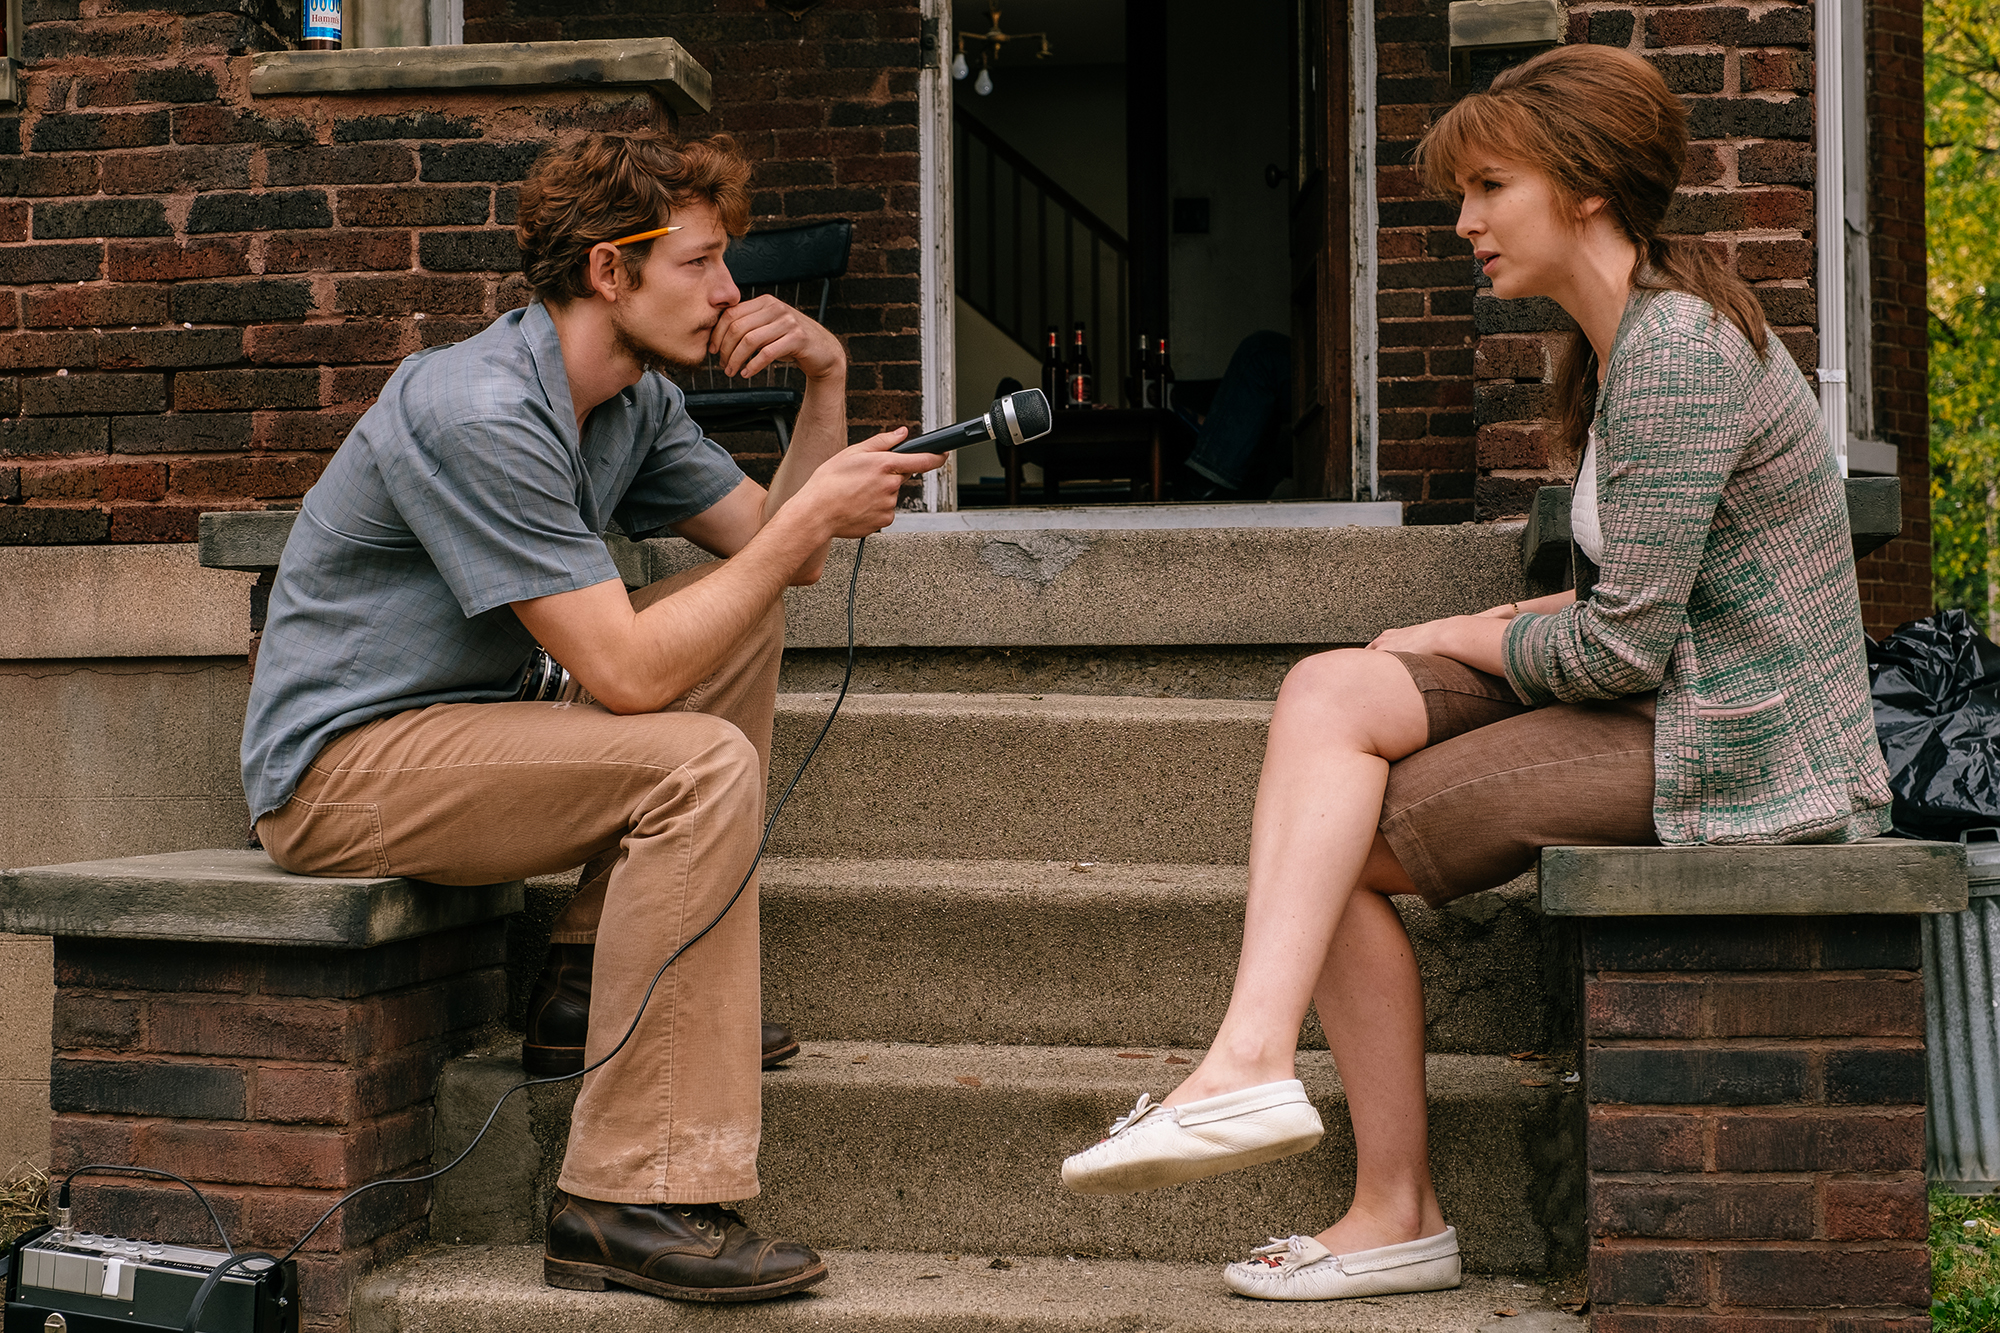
[(959, 69), (983, 84)]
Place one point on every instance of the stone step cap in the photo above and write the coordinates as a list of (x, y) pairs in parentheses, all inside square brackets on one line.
[(1889, 876), (236, 897), (481, 1289)]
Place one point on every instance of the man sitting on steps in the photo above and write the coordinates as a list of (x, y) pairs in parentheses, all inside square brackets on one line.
[(455, 529)]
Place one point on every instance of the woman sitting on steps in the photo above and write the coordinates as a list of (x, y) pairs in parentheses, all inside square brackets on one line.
[(1710, 688)]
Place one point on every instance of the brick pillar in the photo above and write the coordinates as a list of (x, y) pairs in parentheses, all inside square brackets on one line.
[(277, 1077), (1756, 1124)]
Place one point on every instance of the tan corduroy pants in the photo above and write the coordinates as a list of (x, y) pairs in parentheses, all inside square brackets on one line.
[(667, 807)]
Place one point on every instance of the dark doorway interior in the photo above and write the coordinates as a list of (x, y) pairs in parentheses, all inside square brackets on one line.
[(1162, 171)]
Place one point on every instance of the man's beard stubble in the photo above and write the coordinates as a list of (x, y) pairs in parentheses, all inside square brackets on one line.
[(649, 357)]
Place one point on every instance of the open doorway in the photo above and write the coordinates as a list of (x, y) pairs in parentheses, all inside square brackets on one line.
[(1162, 171)]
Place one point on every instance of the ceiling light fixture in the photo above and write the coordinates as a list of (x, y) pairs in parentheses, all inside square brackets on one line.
[(991, 42)]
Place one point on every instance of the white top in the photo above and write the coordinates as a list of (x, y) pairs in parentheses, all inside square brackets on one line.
[(1583, 528)]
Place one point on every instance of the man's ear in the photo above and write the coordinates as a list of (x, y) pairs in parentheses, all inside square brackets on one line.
[(606, 273)]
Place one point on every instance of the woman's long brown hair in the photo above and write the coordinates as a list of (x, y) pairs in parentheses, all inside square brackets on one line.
[(1600, 124)]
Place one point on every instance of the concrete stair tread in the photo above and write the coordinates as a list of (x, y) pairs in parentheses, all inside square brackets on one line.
[(1081, 707), (1114, 1075), (498, 1289), (1004, 878)]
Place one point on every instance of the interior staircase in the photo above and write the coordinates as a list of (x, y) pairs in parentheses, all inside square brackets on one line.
[(995, 913)]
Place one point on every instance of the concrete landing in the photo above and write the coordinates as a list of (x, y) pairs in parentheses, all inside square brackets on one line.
[(479, 1289)]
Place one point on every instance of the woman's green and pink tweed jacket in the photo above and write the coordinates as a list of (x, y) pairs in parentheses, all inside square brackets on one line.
[(1727, 584)]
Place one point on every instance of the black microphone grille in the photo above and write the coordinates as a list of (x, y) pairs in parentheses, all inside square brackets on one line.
[(1031, 409)]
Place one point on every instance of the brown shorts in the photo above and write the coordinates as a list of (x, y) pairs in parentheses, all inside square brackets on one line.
[(1498, 780)]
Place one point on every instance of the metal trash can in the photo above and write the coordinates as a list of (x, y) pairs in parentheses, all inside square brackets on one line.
[(1962, 1028)]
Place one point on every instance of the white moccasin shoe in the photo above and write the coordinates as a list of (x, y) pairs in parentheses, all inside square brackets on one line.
[(1166, 1145), (1301, 1269)]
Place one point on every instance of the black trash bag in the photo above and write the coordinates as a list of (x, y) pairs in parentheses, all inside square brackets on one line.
[(1936, 688)]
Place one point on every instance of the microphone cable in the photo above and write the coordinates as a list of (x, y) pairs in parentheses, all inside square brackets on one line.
[(239, 1259)]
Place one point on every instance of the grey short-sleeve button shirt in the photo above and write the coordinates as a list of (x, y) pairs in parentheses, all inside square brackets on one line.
[(464, 488)]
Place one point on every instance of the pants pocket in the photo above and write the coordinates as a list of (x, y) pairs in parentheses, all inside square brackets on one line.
[(342, 840)]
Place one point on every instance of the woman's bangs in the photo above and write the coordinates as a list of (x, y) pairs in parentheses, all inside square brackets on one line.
[(1474, 134)]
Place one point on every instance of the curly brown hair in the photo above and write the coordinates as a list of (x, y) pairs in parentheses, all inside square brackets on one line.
[(604, 186)]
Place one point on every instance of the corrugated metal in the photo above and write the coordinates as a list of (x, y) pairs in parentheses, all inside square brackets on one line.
[(1962, 1013)]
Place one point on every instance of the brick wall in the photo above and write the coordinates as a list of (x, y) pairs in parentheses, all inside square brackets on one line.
[(1896, 581), (827, 107), (206, 289), (275, 1078), (1755, 1093), (1745, 75), (1426, 454)]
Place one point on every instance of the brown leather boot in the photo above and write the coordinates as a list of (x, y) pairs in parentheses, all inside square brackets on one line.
[(559, 1017), (685, 1251)]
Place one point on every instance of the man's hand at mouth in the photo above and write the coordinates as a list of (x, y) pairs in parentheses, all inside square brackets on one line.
[(753, 335)]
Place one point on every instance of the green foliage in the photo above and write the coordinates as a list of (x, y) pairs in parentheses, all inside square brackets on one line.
[(1965, 1263), (1962, 206)]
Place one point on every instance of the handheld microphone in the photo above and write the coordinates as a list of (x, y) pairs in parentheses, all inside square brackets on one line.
[(1015, 419)]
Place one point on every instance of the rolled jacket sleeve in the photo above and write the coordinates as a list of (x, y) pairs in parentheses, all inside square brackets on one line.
[(1672, 426)]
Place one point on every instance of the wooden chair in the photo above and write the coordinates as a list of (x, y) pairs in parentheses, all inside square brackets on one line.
[(798, 266)]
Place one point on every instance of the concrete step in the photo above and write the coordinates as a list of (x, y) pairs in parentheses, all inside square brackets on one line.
[(498, 1289), (957, 1149), (1065, 953), (1044, 777)]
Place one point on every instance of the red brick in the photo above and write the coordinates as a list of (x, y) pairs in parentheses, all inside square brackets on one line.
[(1874, 1209), (169, 261), (1809, 1006), (162, 522), (286, 1157), (238, 389), (1821, 1276), (1514, 356), (1637, 1273), (13, 222), (94, 1022), (265, 477), (93, 481), (94, 306), (303, 430), (339, 1095), (1643, 1141), (346, 343), (1515, 444), (1759, 261), (1702, 1208), (278, 1030), (1862, 1323), (1642, 1008), (1776, 71), (407, 294), (176, 170), (75, 1140), (341, 251), (1692, 1321)]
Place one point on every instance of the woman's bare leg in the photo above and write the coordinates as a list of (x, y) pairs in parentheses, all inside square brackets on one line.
[(1341, 718), (1371, 1003)]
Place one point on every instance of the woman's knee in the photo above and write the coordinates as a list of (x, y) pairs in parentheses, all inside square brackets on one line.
[(1358, 695)]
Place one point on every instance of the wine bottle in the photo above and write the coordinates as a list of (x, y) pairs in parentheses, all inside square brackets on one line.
[(1140, 391), (1052, 367), (1082, 375), (1165, 371)]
